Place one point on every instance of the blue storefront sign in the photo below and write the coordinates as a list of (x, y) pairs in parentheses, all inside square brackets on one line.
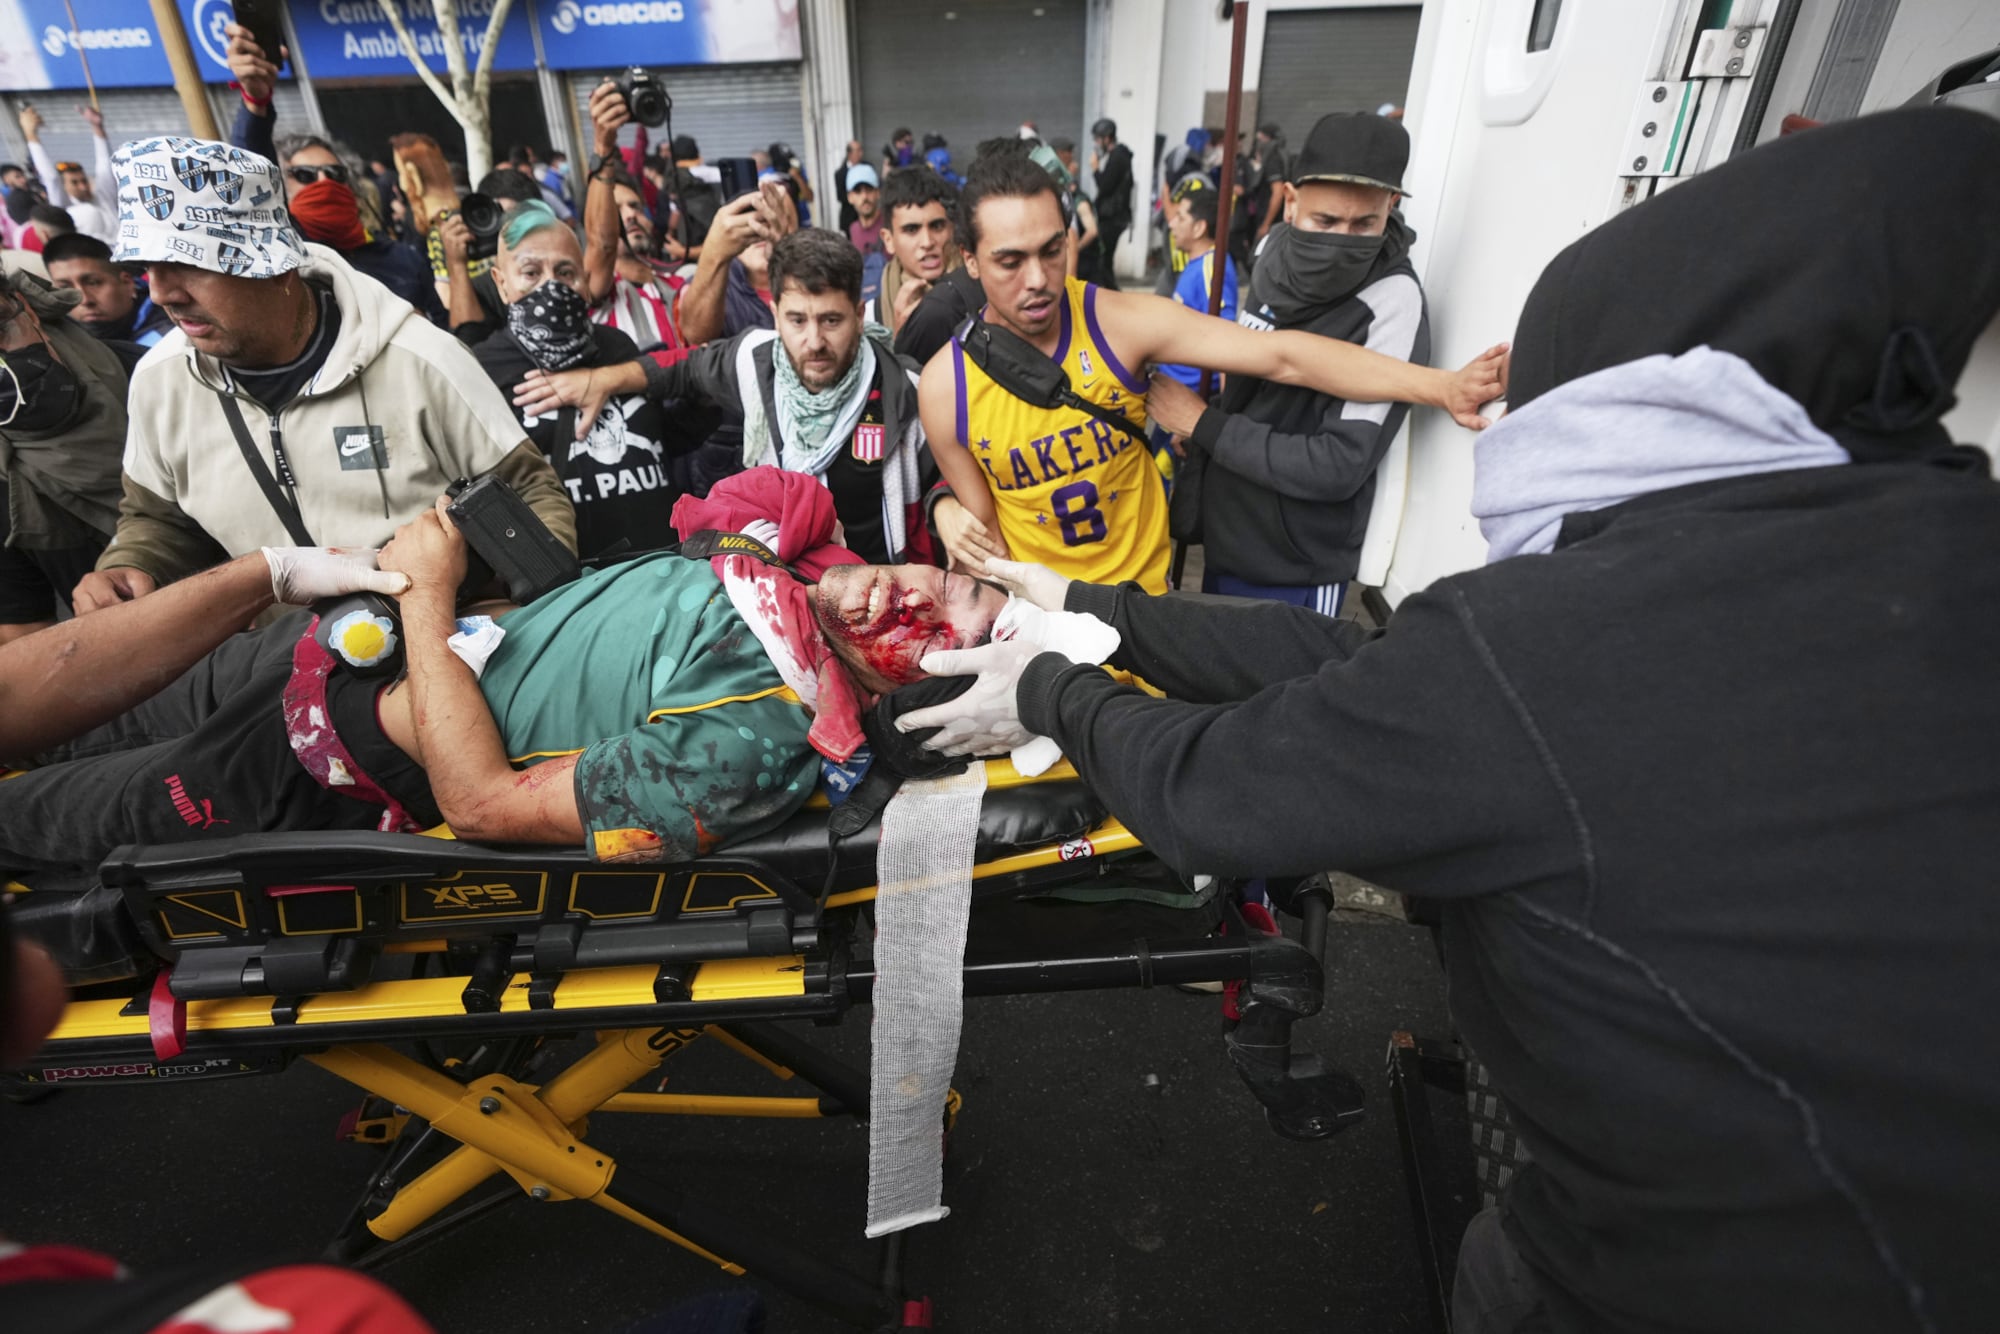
[(351, 39), (40, 49), (587, 34)]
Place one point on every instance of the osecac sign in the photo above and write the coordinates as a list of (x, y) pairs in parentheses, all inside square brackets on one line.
[(367, 11), (58, 41)]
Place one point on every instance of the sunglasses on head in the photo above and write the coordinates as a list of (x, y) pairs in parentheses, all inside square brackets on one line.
[(307, 175), (62, 167)]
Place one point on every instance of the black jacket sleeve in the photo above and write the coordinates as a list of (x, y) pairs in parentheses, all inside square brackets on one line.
[(1405, 760), (1114, 185), (1338, 456), (1212, 650), (708, 374)]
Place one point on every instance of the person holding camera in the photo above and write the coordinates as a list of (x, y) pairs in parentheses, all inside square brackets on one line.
[(628, 282), (319, 184), (295, 404)]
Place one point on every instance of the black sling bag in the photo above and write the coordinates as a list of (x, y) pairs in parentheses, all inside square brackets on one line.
[(1011, 362)]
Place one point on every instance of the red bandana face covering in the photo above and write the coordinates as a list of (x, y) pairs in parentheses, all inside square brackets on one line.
[(327, 212)]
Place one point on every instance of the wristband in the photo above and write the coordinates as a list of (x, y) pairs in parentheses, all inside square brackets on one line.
[(251, 102)]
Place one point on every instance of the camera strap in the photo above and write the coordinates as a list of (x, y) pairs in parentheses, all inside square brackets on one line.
[(286, 505)]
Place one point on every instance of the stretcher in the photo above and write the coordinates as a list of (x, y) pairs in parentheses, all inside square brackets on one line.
[(369, 955)]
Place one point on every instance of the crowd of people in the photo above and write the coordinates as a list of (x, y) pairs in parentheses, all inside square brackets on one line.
[(240, 378)]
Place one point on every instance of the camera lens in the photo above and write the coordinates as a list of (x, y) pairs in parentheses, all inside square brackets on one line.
[(483, 216)]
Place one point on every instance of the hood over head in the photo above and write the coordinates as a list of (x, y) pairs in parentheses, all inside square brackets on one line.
[(1852, 266)]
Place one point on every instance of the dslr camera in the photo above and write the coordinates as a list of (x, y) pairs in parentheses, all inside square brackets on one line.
[(645, 97), (483, 217)]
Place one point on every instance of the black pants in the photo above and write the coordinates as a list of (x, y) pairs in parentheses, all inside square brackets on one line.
[(205, 758)]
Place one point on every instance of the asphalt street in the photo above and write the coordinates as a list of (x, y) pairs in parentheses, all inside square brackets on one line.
[(1109, 1173)]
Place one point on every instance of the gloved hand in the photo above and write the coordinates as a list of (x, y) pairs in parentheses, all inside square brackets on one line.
[(985, 720), (763, 530), (1031, 583), (302, 575)]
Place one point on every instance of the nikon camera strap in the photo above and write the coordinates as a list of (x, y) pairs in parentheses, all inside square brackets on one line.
[(1014, 364)]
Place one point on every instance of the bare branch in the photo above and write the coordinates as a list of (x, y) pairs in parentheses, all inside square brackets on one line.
[(392, 11), (489, 47)]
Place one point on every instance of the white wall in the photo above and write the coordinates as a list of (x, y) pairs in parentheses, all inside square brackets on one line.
[(1924, 37), (1130, 94)]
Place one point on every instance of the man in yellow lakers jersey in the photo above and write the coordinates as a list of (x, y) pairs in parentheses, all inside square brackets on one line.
[(1059, 486)]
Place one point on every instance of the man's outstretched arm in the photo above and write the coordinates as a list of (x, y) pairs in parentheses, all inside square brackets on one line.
[(480, 794), (1145, 328), (72, 677)]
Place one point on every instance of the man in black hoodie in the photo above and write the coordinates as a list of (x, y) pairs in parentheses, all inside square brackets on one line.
[(1701, 765), (1279, 478)]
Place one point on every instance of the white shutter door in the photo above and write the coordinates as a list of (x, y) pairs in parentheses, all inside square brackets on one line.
[(731, 110), (970, 70), (1322, 60)]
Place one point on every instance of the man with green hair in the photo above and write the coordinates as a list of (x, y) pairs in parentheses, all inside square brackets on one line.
[(615, 464)]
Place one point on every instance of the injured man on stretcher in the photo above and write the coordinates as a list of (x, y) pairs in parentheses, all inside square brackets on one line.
[(654, 709)]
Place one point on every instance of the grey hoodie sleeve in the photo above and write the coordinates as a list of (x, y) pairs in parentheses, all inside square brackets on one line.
[(1341, 453), (155, 535)]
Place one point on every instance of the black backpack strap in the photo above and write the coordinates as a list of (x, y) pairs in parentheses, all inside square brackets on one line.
[(1016, 365), (288, 512)]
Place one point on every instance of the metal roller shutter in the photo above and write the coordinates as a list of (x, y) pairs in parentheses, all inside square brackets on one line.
[(1322, 60), (129, 113), (732, 110), (972, 76)]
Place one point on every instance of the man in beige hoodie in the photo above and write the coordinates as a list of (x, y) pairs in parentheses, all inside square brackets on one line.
[(297, 402)]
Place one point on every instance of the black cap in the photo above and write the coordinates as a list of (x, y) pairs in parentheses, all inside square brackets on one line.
[(1357, 147)]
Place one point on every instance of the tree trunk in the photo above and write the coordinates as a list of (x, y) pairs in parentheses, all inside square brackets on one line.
[(469, 96)]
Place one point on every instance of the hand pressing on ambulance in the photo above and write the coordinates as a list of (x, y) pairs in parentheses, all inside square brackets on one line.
[(1476, 384), (431, 552), (970, 543), (304, 575), (587, 389), (985, 720)]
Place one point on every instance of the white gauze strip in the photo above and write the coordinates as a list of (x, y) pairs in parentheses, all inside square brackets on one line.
[(923, 897)]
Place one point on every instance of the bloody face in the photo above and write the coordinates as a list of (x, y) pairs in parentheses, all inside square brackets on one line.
[(882, 620)]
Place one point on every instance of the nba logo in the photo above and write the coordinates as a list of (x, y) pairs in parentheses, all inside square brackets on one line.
[(1083, 360), (868, 443)]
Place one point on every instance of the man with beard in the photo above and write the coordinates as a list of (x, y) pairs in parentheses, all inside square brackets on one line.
[(1279, 478), (628, 287), (295, 404), (818, 396), (111, 305), (62, 434), (615, 465), (713, 688)]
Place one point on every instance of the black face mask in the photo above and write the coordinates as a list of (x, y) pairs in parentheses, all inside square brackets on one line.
[(1301, 273), (49, 392), (552, 326)]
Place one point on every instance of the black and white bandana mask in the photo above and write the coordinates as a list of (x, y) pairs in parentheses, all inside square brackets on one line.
[(552, 326)]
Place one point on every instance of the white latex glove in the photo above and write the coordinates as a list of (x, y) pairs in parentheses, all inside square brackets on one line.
[(985, 720), (763, 530), (301, 575), (1031, 583)]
